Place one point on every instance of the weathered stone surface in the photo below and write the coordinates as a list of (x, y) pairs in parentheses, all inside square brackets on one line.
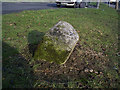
[(58, 43)]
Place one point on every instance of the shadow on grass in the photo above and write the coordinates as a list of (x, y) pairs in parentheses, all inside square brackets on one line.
[(119, 37), (34, 38), (118, 30), (16, 71)]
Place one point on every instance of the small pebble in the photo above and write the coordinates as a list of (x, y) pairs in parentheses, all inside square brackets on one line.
[(86, 70), (70, 70), (24, 37), (96, 72), (115, 68), (74, 58), (100, 72), (11, 24), (91, 70)]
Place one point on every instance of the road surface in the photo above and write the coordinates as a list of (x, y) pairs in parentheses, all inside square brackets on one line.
[(20, 6)]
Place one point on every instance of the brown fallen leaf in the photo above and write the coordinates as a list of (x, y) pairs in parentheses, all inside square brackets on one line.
[(14, 23), (39, 24), (103, 49)]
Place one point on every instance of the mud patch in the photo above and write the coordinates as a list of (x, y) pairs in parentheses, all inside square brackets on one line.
[(83, 66)]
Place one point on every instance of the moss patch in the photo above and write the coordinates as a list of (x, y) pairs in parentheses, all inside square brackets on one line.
[(50, 51)]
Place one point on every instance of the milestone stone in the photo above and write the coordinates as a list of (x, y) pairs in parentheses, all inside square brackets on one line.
[(57, 44)]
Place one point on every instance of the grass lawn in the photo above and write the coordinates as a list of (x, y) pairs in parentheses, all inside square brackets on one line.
[(93, 63)]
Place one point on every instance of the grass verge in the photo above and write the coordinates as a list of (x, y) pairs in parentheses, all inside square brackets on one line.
[(96, 51)]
